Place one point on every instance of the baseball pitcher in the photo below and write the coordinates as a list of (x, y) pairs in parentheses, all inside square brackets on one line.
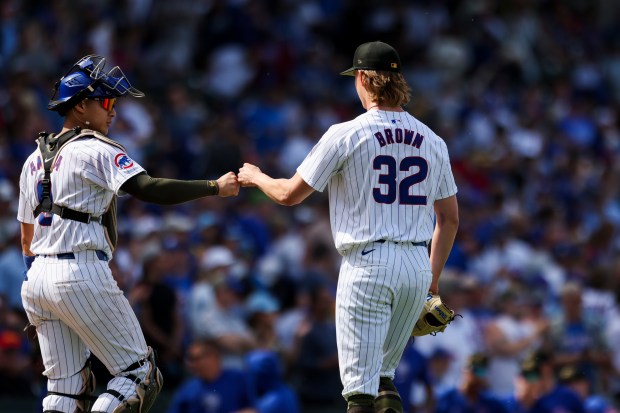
[(391, 191)]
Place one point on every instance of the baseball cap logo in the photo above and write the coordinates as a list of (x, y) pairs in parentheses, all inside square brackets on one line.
[(394, 65), (359, 61)]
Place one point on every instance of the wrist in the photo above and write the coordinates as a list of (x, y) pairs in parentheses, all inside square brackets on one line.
[(213, 187)]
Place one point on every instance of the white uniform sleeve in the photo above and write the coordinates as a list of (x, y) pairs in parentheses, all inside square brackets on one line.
[(25, 208), (323, 161), (447, 185), (113, 168)]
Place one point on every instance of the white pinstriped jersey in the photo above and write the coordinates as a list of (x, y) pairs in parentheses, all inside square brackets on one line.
[(86, 175), (384, 170)]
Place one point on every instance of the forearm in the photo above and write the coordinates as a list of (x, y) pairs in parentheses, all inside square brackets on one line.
[(165, 191), (27, 233), (443, 239), (447, 215), (278, 190)]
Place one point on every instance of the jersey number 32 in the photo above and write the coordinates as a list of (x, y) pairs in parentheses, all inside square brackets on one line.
[(400, 189)]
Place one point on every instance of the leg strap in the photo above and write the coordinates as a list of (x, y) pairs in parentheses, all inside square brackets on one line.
[(85, 397), (146, 390)]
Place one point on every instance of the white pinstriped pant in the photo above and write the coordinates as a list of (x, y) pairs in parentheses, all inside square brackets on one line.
[(380, 296), (77, 307)]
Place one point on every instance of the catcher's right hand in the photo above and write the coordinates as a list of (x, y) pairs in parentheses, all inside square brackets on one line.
[(434, 318), (228, 185)]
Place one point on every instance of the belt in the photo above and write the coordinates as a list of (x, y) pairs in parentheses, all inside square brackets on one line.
[(413, 243), (71, 256)]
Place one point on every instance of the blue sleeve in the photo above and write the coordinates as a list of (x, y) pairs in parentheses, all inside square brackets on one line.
[(499, 407), (179, 403), (267, 405), (449, 402), (250, 394), (277, 402)]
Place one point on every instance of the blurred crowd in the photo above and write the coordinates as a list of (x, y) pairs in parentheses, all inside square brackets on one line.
[(526, 94)]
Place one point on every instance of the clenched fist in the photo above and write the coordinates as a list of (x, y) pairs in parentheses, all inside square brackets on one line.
[(248, 173), (228, 184)]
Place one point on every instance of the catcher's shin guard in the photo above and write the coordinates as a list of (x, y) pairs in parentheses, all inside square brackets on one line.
[(146, 389), (84, 398), (388, 400)]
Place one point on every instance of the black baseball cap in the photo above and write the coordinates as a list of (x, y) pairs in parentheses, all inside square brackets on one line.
[(374, 56)]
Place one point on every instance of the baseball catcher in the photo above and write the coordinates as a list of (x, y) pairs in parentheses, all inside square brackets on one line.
[(434, 318)]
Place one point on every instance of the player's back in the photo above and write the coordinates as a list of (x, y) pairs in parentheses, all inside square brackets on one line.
[(82, 179), (395, 169)]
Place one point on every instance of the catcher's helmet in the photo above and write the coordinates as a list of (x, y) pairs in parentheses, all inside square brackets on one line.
[(87, 78)]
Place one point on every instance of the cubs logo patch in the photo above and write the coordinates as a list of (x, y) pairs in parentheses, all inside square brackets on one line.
[(122, 161)]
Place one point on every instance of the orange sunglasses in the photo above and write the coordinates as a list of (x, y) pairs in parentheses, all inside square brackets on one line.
[(106, 103)]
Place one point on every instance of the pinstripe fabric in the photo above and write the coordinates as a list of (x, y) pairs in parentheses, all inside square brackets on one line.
[(85, 179), (75, 304), (343, 161), (384, 171), (379, 298)]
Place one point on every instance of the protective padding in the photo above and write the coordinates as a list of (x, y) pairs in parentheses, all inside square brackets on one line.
[(146, 390), (84, 397)]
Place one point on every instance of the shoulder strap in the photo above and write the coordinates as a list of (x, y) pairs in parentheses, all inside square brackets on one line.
[(101, 137), (49, 146)]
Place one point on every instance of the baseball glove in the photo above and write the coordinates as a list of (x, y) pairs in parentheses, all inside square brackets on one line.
[(434, 318)]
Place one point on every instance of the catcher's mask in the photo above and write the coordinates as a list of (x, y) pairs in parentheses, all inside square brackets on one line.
[(88, 79)]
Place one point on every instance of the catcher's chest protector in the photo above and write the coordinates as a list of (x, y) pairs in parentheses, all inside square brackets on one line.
[(50, 146)]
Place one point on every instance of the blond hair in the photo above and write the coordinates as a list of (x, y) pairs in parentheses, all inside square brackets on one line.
[(387, 88)]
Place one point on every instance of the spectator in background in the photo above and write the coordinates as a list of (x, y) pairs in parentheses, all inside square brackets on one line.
[(567, 395), (15, 361), (215, 263), (472, 395), (11, 263), (440, 362), (412, 374), (288, 323), (536, 378), (216, 307), (179, 267), (266, 377), (316, 376), (212, 389), (509, 338), (160, 317), (579, 340), (612, 335), (262, 312)]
